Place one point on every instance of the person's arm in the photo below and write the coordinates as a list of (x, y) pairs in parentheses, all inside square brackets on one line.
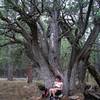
[(60, 86)]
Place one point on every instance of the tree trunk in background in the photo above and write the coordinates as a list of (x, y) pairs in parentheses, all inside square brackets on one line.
[(9, 62), (10, 65), (10, 72), (29, 74)]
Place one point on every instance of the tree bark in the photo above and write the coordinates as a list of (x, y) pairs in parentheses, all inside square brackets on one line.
[(29, 74), (95, 73), (54, 43), (10, 65), (36, 56), (77, 82), (10, 72)]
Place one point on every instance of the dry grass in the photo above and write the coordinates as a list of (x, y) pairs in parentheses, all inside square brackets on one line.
[(20, 90), (16, 90)]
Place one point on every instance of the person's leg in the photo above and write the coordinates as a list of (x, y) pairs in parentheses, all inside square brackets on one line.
[(57, 92), (54, 91), (50, 91)]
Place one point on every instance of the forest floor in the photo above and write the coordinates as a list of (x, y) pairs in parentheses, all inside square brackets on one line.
[(17, 90)]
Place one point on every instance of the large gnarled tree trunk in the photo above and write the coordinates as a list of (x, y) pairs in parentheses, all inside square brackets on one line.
[(77, 74)]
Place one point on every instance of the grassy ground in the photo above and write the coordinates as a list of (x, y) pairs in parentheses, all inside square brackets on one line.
[(16, 90)]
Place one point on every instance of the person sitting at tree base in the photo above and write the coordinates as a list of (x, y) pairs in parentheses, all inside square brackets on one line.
[(57, 86)]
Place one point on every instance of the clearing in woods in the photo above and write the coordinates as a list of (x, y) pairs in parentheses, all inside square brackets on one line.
[(16, 90)]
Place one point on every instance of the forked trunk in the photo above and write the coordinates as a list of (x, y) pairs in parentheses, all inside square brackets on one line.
[(41, 64)]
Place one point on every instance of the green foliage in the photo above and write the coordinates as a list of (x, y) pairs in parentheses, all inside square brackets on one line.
[(3, 56), (16, 55)]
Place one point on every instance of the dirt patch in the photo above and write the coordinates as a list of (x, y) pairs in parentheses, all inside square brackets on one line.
[(17, 90)]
